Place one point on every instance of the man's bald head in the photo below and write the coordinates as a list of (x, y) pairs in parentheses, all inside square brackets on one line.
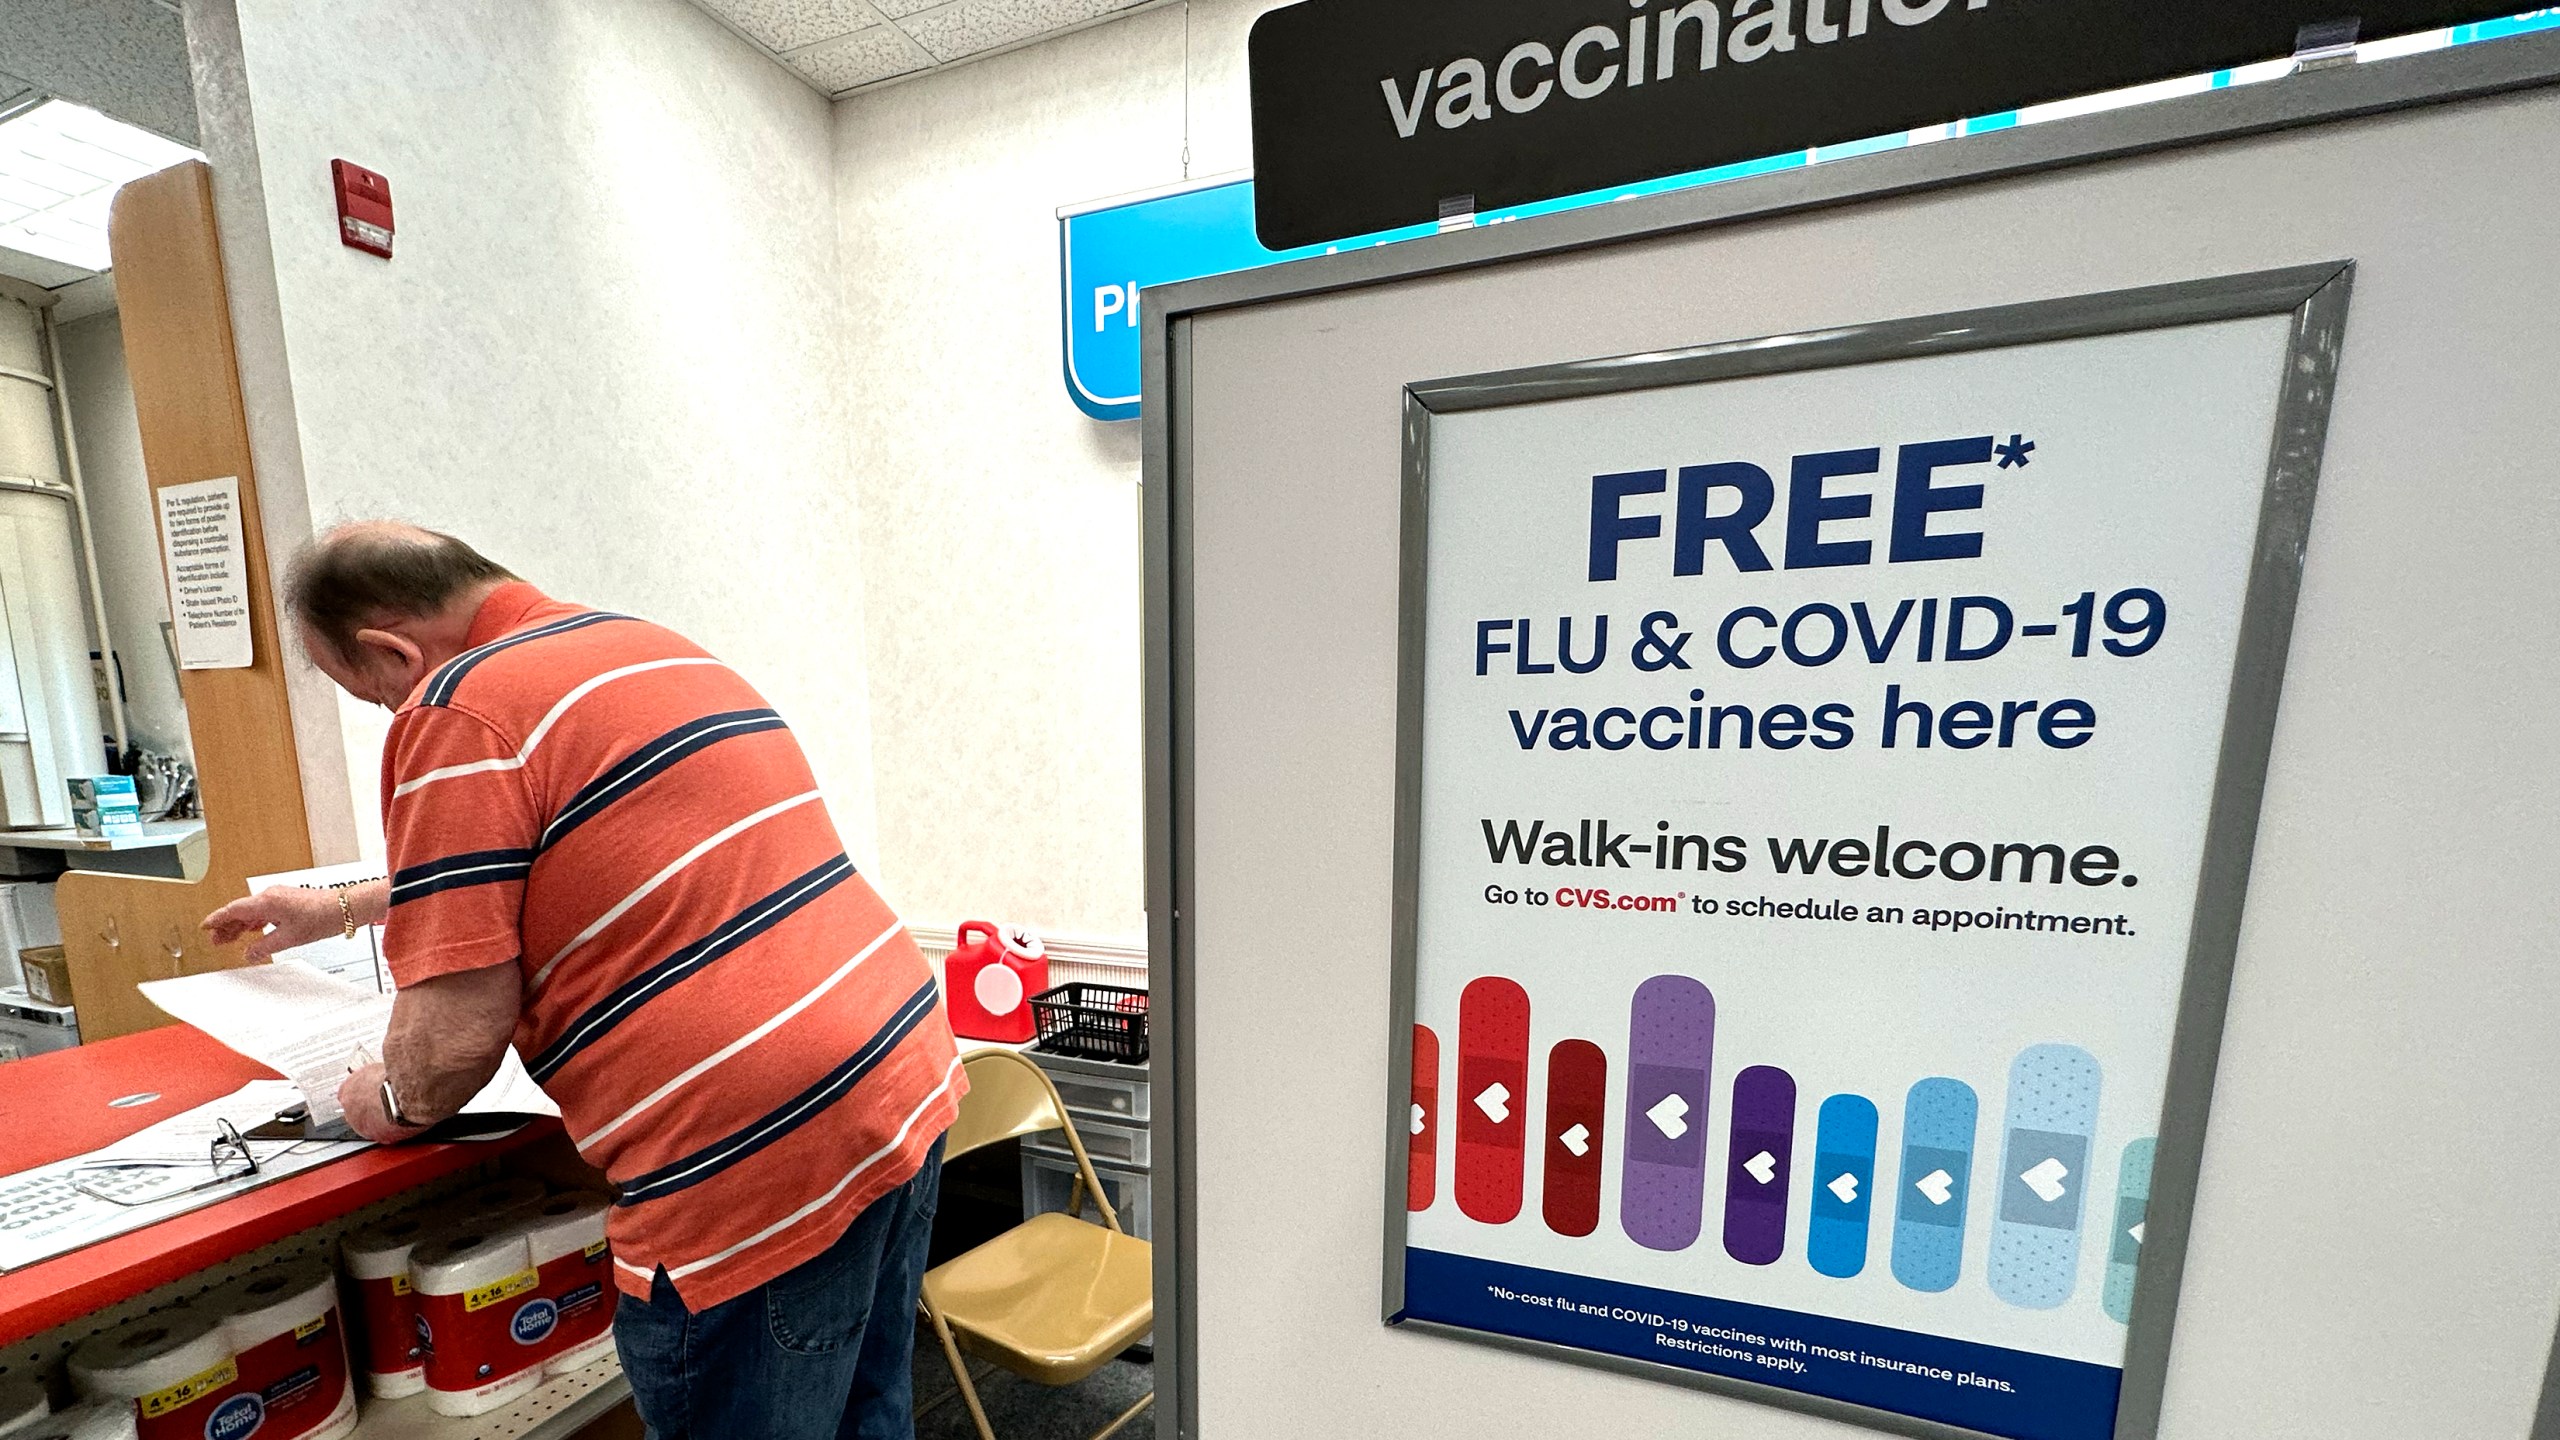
[(369, 572)]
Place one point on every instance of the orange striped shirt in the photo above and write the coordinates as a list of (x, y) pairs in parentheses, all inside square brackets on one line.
[(736, 1028)]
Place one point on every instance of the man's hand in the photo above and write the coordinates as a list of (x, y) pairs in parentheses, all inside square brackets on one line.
[(360, 1095), (278, 919)]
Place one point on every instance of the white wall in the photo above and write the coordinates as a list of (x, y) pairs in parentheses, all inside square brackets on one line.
[(124, 530), (608, 351), (1002, 525)]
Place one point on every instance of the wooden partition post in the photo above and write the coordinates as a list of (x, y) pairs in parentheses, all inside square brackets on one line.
[(118, 930)]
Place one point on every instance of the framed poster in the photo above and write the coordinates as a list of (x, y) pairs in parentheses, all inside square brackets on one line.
[(1828, 770)]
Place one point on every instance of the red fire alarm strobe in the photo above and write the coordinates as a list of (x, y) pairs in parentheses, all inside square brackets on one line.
[(364, 208)]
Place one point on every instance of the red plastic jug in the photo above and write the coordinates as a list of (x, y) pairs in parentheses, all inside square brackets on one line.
[(990, 978)]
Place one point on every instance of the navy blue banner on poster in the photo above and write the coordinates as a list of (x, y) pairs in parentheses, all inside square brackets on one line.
[(1931, 1377)]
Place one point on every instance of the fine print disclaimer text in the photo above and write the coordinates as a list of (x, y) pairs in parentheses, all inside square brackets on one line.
[(1775, 1354)]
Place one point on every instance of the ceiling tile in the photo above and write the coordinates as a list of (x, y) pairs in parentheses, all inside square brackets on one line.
[(857, 59), (127, 58), (790, 24), (60, 167), (900, 9), (970, 26)]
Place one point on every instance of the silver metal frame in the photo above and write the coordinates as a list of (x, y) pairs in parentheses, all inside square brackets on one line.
[(2309, 98), (2316, 298), (2546, 1424)]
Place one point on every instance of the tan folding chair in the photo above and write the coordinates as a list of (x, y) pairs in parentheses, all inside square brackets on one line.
[(1056, 1297)]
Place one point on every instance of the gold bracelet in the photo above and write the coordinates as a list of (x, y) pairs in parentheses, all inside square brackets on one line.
[(346, 909)]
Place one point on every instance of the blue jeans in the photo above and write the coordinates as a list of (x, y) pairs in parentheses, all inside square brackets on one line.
[(821, 1353)]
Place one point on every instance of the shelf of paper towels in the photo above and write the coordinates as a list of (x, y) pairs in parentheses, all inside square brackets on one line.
[(474, 1302), (488, 1306)]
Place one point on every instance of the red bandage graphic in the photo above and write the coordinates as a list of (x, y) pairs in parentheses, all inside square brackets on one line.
[(1493, 1098), (1422, 1168), (1577, 1109)]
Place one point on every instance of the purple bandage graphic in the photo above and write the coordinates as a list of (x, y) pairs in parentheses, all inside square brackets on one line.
[(1757, 1165), (1671, 1041)]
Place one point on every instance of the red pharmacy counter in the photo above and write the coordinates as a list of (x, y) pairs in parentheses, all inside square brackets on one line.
[(59, 1105)]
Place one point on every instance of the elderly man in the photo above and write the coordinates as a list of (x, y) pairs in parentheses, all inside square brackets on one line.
[(606, 848)]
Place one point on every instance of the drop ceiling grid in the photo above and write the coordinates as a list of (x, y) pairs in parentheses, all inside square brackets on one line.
[(839, 46), (60, 168)]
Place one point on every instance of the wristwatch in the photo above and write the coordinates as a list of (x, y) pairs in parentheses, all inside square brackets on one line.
[(391, 1107)]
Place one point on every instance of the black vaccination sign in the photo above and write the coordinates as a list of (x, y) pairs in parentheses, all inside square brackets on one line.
[(1369, 114)]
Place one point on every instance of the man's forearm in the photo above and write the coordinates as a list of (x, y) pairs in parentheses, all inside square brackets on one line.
[(434, 1077), (447, 1038), (370, 902)]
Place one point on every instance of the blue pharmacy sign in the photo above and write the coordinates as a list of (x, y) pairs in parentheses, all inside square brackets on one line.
[(1109, 251)]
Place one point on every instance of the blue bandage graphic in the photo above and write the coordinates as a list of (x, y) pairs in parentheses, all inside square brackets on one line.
[(1844, 1174), (1938, 1119), (2044, 1171), (2124, 1250)]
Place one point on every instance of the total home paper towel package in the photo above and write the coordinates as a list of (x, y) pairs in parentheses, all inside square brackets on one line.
[(483, 1323), (290, 1344), (505, 1299), (264, 1355), (377, 1260), (575, 1269), (472, 1301), (173, 1370)]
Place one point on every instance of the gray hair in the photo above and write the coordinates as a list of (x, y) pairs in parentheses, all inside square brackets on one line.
[(370, 570)]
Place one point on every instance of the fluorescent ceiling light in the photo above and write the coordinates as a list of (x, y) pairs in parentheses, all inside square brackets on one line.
[(60, 168)]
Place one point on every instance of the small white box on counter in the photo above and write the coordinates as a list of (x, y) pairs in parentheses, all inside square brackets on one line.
[(105, 805)]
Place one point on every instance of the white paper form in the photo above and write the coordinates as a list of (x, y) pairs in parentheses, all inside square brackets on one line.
[(308, 1027), (44, 1214), (356, 959)]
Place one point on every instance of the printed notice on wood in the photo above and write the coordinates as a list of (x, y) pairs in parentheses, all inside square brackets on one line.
[(208, 566)]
